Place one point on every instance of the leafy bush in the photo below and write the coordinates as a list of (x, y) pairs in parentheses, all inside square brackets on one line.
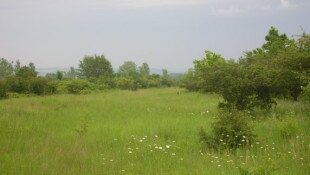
[(17, 84), (103, 82), (38, 85), (127, 83), (51, 87), (3, 89), (29, 85), (190, 81), (77, 86), (153, 80), (231, 131)]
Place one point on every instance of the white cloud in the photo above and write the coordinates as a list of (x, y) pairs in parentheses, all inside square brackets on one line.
[(232, 10), (285, 3)]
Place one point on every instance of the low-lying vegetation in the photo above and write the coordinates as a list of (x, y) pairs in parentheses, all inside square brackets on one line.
[(152, 131)]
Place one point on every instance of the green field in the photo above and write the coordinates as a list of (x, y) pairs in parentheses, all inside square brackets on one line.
[(152, 131)]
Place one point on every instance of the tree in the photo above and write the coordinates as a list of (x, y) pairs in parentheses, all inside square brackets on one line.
[(144, 70), (3, 89), (289, 60), (26, 71), (129, 69), (189, 80), (17, 66), (126, 82), (51, 76), (275, 42), (6, 68), (95, 66), (202, 68), (165, 79), (59, 75), (71, 73)]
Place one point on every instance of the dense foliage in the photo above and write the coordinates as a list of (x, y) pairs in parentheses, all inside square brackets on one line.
[(95, 66), (279, 69), (94, 73), (6, 68)]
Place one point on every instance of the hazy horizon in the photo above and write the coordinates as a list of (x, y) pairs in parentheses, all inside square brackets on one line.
[(164, 33)]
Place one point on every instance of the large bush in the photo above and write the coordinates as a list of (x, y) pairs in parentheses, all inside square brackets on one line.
[(3, 89), (79, 86), (30, 85), (230, 131), (190, 81), (103, 82), (38, 85), (153, 80), (127, 83), (51, 87), (17, 84)]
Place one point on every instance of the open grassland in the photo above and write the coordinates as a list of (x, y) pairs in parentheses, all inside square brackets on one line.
[(152, 131)]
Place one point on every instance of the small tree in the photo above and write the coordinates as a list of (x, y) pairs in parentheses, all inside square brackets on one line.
[(6, 68), (51, 76), (95, 66), (165, 78), (71, 74), (38, 85), (3, 89), (26, 71), (144, 70), (190, 81), (126, 83), (129, 69), (59, 75)]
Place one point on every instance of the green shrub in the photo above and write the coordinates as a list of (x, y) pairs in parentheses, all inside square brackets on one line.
[(103, 82), (38, 85), (3, 89), (230, 131), (60, 86), (17, 84), (153, 81), (127, 83), (190, 81), (51, 87), (77, 86)]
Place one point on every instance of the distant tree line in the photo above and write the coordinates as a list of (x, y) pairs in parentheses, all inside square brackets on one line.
[(95, 72)]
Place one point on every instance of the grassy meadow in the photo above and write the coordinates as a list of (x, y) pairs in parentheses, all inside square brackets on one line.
[(153, 131)]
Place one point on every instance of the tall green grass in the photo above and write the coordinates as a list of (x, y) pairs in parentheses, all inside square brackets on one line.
[(152, 131)]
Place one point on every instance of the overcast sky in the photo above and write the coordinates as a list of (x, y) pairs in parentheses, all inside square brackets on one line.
[(164, 33)]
